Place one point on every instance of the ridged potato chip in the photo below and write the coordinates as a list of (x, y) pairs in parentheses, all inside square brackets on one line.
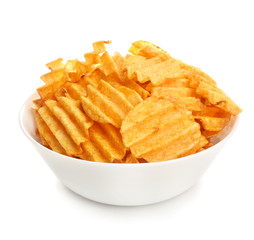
[(157, 131)]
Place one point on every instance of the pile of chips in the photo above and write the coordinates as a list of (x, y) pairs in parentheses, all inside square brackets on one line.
[(144, 107)]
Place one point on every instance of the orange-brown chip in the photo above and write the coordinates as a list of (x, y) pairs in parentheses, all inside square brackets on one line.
[(56, 64), (107, 63), (148, 50), (212, 123), (59, 132), (99, 47), (173, 92), (47, 136), (136, 62), (108, 141), (54, 76), (158, 73), (157, 131), (218, 98)]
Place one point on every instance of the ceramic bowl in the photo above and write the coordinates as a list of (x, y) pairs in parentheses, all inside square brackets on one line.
[(124, 184)]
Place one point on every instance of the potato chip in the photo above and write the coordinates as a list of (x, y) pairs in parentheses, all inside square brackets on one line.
[(156, 131), (105, 144), (48, 91), (120, 64), (132, 96), (76, 91), (99, 47), (106, 104), (107, 63), (136, 87), (108, 141), (158, 73), (37, 103), (70, 126), (173, 92), (135, 63), (210, 134), (212, 123), (211, 111), (131, 159), (56, 64), (59, 132), (75, 112), (218, 98), (189, 103), (92, 58), (148, 50), (47, 136), (70, 71), (91, 153), (196, 76), (173, 82), (54, 76)]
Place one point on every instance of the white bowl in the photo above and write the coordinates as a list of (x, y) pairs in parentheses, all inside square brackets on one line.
[(124, 184)]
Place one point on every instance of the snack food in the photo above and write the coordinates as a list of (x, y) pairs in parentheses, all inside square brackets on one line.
[(144, 107)]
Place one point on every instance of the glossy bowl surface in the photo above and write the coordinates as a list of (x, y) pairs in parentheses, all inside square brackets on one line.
[(124, 184)]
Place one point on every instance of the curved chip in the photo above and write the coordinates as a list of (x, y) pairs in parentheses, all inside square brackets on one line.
[(77, 135), (47, 135), (56, 64), (59, 132), (108, 141), (218, 98), (148, 50), (157, 131), (106, 104)]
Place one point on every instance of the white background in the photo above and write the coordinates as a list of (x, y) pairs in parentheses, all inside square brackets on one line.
[(216, 36)]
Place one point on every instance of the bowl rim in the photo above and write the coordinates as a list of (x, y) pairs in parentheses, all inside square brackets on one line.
[(35, 94)]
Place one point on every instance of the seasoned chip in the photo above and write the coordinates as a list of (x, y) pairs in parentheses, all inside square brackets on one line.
[(131, 159), (157, 131), (107, 63), (212, 123), (99, 47), (47, 135), (189, 103), (136, 87), (48, 91), (76, 91), (75, 112), (105, 144), (108, 141), (59, 132), (70, 126), (135, 63), (92, 58), (158, 73), (173, 92), (218, 98), (148, 50), (171, 82), (120, 64), (132, 96), (56, 64), (106, 104), (54, 76)]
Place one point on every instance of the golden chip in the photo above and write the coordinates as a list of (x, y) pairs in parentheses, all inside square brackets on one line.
[(157, 131)]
